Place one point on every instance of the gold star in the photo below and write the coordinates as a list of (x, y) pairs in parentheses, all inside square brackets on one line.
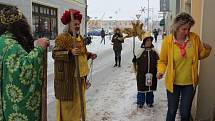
[(136, 31)]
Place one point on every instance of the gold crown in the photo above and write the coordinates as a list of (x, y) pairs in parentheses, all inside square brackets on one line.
[(9, 19)]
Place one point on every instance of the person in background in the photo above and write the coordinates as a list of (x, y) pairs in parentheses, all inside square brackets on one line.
[(69, 47), (87, 39), (155, 33), (179, 58), (21, 67), (145, 63), (117, 41), (164, 34), (102, 35)]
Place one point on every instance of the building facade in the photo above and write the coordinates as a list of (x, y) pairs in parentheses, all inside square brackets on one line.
[(44, 15), (174, 9), (109, 25)]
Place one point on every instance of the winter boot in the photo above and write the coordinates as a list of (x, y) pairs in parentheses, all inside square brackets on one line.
[(115, 65), (150, 105), (119, 61), (140, 105), (115, 62)]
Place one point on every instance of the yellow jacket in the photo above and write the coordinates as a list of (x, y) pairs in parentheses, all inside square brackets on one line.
[(165, 63)]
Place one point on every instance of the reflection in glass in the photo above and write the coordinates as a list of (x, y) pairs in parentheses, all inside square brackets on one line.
[(44, 22)]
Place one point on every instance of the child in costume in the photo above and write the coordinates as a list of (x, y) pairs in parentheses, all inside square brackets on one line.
[(145, 63)]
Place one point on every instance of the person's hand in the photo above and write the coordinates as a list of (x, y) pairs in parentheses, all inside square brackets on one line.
[(159, 75), (121, 38), (93, 56), (76, 51), (206, 46), (43, 42), (88, 84)]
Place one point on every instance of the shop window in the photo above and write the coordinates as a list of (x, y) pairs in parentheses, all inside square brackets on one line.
[(3, 6), (44, 21)]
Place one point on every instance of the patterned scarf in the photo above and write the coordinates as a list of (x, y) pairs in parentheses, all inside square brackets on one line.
[(181, 47)]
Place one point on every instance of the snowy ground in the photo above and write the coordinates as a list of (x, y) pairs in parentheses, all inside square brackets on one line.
[(112, 96)]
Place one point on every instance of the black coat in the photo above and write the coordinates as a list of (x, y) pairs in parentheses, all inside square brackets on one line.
[(102, 33), (117, 43), (142, 69)]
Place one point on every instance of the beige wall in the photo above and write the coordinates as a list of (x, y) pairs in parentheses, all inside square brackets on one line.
[(206, 96), (196, 11)]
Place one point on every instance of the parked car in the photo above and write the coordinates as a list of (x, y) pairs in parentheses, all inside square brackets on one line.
[(94, 33)]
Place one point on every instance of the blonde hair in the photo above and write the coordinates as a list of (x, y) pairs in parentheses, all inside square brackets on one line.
[(182, 19)]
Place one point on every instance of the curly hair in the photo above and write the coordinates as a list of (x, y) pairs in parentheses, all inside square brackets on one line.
[(19, 28), (182, 19)]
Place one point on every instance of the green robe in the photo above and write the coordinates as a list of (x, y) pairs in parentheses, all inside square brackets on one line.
[(20, 81)]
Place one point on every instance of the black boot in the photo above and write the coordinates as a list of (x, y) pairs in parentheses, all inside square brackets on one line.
[(150, 105), (115, 65), (115, 62), (140, 105), (119, 61)]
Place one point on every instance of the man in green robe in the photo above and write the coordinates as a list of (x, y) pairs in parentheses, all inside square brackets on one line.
[(20, 68)]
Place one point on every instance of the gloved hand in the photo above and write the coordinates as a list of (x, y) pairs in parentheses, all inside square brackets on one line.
[(134, 60)]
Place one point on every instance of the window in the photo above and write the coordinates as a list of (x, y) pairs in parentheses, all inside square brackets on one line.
[(44, 21), (2, 6)]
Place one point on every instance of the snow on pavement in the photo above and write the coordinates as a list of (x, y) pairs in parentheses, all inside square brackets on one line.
[(115, 99)]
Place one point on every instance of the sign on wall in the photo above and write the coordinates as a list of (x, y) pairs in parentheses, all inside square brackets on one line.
[(164, 5)]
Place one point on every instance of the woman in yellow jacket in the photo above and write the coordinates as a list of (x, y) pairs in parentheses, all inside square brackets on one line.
[(180, 52)]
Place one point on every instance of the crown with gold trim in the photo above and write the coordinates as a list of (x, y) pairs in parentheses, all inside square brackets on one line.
[(10, 18)]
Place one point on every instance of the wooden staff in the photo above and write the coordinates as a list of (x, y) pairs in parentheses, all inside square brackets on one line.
[(80, 90), (44, 88), (134, 46), (79, 83)]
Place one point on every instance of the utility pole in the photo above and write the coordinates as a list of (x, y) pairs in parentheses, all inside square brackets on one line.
[(148, 17), (164, 28), (86, 17)]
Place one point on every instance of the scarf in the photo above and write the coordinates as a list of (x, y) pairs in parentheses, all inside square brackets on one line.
[(181, 47)]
